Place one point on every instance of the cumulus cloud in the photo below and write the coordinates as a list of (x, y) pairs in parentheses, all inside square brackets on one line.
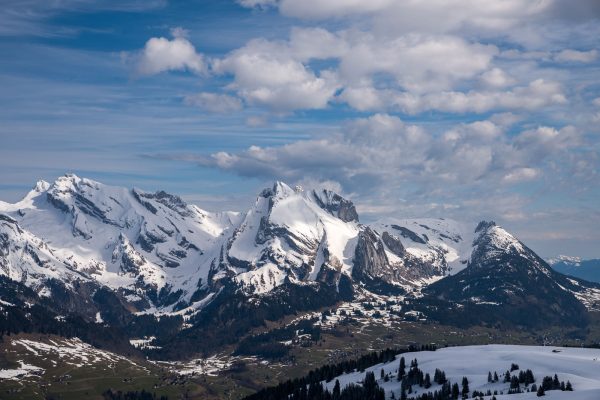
[(569, 55), (161, 54), (214, 102), (497, 78), (521, 175), (266, 76), (382, 148), (536, 95)]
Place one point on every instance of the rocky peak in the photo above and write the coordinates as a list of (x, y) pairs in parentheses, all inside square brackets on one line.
[(336, 205)]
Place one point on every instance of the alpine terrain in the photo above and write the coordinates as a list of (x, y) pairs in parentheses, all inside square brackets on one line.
[(146, 275)]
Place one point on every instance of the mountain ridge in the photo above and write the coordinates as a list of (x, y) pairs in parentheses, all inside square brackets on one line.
[(136, 257)]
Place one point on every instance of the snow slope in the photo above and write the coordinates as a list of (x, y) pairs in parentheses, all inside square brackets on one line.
[(118, 237), (578, 365)]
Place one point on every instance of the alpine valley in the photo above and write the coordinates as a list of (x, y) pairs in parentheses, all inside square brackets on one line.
[(108, 287)]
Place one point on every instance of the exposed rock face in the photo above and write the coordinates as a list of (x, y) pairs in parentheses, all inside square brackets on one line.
[(394, 244), (370, 260), (336, 205)]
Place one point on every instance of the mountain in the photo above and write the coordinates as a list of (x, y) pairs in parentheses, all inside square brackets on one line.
[(505, 282), (576, 267), (151, 265)]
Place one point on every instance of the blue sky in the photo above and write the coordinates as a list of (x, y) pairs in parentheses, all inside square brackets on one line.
[(450, 108)]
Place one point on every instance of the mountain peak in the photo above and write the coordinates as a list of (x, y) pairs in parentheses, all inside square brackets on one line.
[(484, 226), (41, 186)]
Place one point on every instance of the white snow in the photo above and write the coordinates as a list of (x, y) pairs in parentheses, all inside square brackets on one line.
[(21, 372), (100, 223), (580, 366)]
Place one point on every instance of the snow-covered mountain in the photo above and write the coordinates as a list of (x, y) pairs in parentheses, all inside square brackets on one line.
[(159, 255), (506, 282), (577, 267), (146, 245), (157, 250)]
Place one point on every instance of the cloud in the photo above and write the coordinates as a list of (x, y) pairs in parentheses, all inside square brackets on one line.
[(536, 95), (161, 54), (521, 175), (266, 74), (569, 55), (257, 3), (417, 63), (33, 17), (382, 149), (497, 78), (315, 9), (214, 102)]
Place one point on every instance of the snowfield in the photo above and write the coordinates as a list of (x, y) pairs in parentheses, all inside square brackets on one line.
[(580, 366), (59, 352)]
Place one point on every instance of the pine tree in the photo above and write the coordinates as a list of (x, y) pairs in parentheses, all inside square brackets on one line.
[(455, 391), (496, 376), (336, 390), (465, 387), (555, 383), (541, 391), (507, 377), (489, 377), (402, 369), (427, 383), (569, 387)]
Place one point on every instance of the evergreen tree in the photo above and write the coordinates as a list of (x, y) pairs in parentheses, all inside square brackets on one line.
[(455, 391), (427, 383), (496, 376), (336, 390), (555, 383), (402, 369), (489, 377), (507, 377), (569, 387), (541, 392), (465, 387)]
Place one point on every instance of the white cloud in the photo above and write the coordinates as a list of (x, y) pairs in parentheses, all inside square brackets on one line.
[(161, 54), (316, 9), (417, 63), (382, 150), (536, 95), (423, 15), (213, 102), (497, 78), (521, 175), (569, 55), (266, 76)]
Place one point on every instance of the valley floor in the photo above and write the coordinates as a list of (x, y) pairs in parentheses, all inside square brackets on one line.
[(36, 366)]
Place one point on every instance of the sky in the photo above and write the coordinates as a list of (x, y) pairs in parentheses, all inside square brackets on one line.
[(463, 109)]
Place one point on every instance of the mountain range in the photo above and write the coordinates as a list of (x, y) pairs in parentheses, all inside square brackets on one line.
[(577, 267), (109, 262)]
